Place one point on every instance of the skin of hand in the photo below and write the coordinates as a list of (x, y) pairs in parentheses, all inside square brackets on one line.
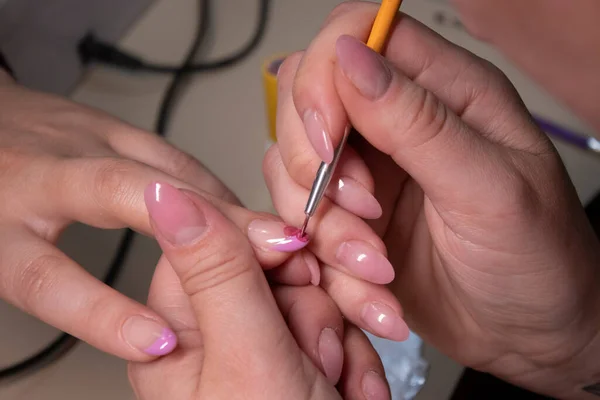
[(61, 162), (496, 264), (553, 41), (234, 341)]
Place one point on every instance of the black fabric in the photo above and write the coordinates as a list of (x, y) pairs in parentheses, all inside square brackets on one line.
[(5, 65), (475, 385)]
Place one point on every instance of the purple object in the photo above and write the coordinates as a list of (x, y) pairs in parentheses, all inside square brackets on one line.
[(576, 139)]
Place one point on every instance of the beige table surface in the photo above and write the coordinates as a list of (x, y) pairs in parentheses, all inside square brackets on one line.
[(221, 121)]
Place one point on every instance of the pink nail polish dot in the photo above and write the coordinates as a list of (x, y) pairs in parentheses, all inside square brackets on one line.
[(292, 231), (292, 240)]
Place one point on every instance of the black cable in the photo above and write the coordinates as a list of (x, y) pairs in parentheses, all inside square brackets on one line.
[(93, 50), (65, 342), (169, 98)]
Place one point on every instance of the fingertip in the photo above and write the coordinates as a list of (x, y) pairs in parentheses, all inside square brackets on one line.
[(149, 336)]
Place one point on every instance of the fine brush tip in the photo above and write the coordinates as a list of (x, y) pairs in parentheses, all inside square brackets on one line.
[(304, 226)]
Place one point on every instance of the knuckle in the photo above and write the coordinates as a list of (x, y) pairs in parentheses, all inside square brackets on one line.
[(35, 280), (302, 165), (217, 265), (181, 164), (425, 118), (493, 74), (111, 181)]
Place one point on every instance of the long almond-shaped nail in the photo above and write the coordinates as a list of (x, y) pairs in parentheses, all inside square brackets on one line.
[(149, 336), (384, 322), (374, 387), (365, 262), (318, 135), (366, 69), (354, 197), (331, 354), (313, 267), (174, 215), (273, 235)]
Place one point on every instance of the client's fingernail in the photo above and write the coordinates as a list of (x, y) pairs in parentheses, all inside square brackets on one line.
[(273, 235), (149, 336), (318, 136), (174, 215), (366, 262), (383, 321), (367, 70), (374, 387), (313, 267), (331, 354), (355, 198)]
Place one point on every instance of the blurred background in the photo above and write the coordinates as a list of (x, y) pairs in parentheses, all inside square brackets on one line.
[(219, 117)]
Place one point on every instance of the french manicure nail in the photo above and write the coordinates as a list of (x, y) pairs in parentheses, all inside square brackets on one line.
[(367, 70), (313, 267), (149, 336), (383, 321), (331, 354), (174, 215), (354, 197), (273, 235), (366, 262), (374, 387), (318, 136)]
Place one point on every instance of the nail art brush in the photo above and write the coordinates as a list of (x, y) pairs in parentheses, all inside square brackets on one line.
[(379, 33)]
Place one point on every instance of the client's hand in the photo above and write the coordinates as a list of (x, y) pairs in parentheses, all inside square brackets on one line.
[(233, 340)]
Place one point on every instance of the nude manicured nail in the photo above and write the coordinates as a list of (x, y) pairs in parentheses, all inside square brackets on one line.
[(383, 321), (354, 197), (149, 336), (273, 235), (313, 267), (331, 354), (374, 387), (174, 215), (365, 261), (318, 135), (367, 70)]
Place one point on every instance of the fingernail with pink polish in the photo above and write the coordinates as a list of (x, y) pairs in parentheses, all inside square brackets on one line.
[(374, 387), (174, 215), (384, 322), (318, 135), (275, 236), (313, 267), (149, 336), (367, 70), (354, 197), (365, 262), (331, 354)]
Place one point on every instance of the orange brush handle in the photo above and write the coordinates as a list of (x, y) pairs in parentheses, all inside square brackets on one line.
[(383, 22)]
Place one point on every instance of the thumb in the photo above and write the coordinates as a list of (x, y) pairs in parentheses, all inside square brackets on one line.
[(231, 299), (453, 163)]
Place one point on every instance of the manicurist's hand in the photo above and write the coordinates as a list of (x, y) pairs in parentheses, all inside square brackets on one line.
[(495, 262)]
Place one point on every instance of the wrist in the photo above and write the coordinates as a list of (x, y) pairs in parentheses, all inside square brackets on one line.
[(575, 373)]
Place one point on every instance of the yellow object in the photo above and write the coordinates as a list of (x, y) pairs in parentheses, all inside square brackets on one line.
[(383, 22), (381, 27), (269, 73)]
